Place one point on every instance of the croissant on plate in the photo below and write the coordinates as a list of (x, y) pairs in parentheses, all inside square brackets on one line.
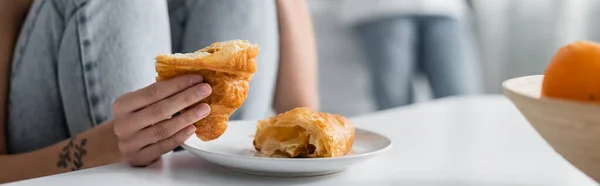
[(227, 67), (302, 132)]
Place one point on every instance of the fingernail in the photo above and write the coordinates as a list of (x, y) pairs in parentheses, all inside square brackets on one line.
[(195, 79), (202, 110), (204, 90), (190, 130)]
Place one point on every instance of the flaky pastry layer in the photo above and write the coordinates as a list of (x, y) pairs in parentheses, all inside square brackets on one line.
[(302, 132), (227, 67)]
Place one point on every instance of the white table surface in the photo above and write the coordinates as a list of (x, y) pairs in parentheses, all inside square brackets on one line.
[(480, 140)]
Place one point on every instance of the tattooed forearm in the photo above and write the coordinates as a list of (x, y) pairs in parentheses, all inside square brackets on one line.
[(72, 154)]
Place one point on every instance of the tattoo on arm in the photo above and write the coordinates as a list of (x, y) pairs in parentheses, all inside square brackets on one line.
[(72, 154)]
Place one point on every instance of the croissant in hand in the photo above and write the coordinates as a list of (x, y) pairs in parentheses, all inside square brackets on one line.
[(227, 67)]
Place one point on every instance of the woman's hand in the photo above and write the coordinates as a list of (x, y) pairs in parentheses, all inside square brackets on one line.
[(143, 122)]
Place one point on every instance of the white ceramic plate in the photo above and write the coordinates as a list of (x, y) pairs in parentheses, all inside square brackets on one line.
[(234, 151)]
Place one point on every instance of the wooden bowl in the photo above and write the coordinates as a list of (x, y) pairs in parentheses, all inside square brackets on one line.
[(572, 128)]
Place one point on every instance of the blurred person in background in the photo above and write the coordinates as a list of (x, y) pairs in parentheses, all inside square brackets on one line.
[(401, 37), (77, 76)]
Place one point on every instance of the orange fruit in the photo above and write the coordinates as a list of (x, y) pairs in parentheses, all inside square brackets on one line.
[(574, 73)]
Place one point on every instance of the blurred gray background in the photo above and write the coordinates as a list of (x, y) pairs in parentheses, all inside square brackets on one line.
[(514, 37)]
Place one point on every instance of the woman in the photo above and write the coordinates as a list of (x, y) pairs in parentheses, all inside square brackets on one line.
[(403, 36), (70, 62)]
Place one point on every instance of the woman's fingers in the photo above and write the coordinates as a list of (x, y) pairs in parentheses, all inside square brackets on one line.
[(152, 152), (165, 129), (162, 110), (142, 121), (139, 99)]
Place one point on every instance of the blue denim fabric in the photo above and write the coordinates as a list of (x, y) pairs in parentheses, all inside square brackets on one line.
[(399, 47)]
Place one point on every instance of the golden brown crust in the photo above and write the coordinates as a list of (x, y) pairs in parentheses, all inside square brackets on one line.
[(302, 132), (227, 67)]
